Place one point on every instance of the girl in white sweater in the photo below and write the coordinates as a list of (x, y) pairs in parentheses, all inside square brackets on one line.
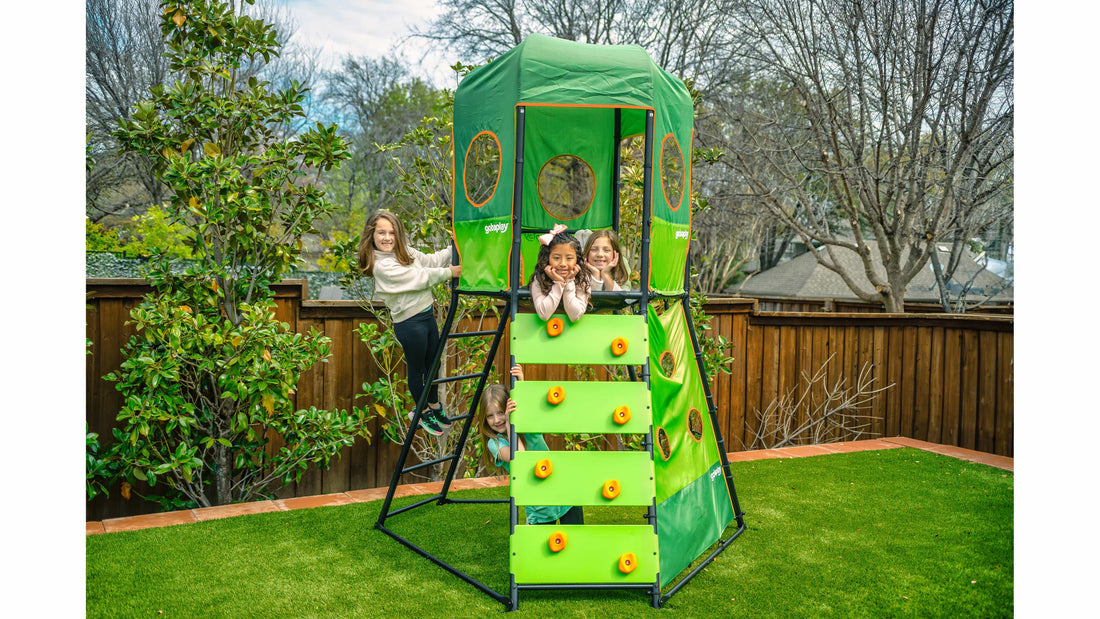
[(403, 279)]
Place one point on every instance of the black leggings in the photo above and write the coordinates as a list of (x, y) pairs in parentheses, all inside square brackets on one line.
[(419, 337)]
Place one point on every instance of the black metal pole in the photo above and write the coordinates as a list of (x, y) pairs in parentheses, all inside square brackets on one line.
[(615, 217), (517, 211), (647, 206)]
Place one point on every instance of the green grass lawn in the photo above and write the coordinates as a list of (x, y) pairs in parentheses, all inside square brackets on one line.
[(894, 533)]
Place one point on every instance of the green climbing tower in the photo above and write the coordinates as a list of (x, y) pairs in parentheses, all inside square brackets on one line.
[(538, 135)]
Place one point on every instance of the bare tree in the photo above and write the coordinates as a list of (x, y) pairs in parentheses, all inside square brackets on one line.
[(124, 58), (903, 126), (376, 101)]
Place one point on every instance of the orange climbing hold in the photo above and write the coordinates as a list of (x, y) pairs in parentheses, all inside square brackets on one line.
[(611, 489), (558, 539), (621, 414), (556, 395), (543, 468), (618, 346), (627, 562), (555, 326)]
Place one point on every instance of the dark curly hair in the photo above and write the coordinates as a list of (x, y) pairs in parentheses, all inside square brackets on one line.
[(564, 238)]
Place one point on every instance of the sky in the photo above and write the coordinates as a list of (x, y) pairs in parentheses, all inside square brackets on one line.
[(371, 28)]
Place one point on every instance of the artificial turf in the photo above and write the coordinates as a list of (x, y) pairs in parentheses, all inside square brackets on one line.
[(897, 532)]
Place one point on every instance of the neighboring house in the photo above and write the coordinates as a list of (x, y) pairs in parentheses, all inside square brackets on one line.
[(802, 277)]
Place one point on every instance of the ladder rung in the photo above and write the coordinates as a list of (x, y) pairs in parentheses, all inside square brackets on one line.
[(471, 334), (424, 464), (451, 379), (459, 418)]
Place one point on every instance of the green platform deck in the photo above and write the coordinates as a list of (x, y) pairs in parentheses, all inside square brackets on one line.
[(579, 476), (591, 554), (585, 342), (588, 407)]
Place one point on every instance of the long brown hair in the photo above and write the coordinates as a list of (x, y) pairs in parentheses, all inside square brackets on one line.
[(495, 397), (366, 242), (620, 273), (564, 238)]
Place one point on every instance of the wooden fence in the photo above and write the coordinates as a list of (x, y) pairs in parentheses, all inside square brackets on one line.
[(952, 375)]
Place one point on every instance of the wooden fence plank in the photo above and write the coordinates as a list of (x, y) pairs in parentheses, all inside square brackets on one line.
[(867, 358), (820, 343), (790, 383), (735, 391), (847, 349), (987, 391), (894, 397), (952, 379), (935, 387), (908, 380), (769, 390), (805, 364), (1003, 439), (754, 381), (311, 392), (968, 430), (339, 378), (922, 382), (882, 370)]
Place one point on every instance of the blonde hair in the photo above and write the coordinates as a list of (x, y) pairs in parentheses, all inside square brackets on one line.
[(620, 273), (366, 242), (495, 397)]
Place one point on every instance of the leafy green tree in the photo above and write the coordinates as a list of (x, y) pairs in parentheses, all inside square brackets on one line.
[(208, 381), (98, 237)]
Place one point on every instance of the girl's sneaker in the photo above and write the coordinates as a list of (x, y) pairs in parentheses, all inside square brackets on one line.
[(428, 422), (440, 418)]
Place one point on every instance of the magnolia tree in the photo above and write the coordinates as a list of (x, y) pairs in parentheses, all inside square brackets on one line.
[(208, 381)]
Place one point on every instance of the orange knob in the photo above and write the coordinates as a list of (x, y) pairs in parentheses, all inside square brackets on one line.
[(621, 414), (543, 468), (627, 562), (555, 326), (556, 395), (558, 540), (611, 489), (618, 346)]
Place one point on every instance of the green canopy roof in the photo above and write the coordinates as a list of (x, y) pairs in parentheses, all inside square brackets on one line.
[(571, 93)]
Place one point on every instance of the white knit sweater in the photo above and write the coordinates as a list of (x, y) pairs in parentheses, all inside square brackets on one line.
[(407, 290)]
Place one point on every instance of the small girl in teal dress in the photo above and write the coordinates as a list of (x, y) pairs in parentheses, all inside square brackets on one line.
[(496, 407)]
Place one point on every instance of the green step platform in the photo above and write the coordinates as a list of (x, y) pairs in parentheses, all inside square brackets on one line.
[(591, 554), (585, 342), (587, 407)]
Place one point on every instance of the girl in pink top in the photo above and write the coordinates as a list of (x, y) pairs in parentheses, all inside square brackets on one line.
[(560, 276)]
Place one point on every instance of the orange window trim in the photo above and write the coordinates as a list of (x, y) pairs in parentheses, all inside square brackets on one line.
[(595, 186), (662, 167), (466, 158)]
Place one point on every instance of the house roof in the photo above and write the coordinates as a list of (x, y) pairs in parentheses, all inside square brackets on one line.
[(803, 277)]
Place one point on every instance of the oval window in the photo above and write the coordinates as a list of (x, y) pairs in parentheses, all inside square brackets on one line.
[(663, 444), (672, 171), (667, 363), (566, 187), (481, 168), (695, 424)]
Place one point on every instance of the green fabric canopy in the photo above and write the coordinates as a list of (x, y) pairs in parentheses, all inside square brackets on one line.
[(570, 92)]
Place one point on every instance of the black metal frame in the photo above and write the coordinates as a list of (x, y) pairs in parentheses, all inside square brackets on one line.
[(513, 296)]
